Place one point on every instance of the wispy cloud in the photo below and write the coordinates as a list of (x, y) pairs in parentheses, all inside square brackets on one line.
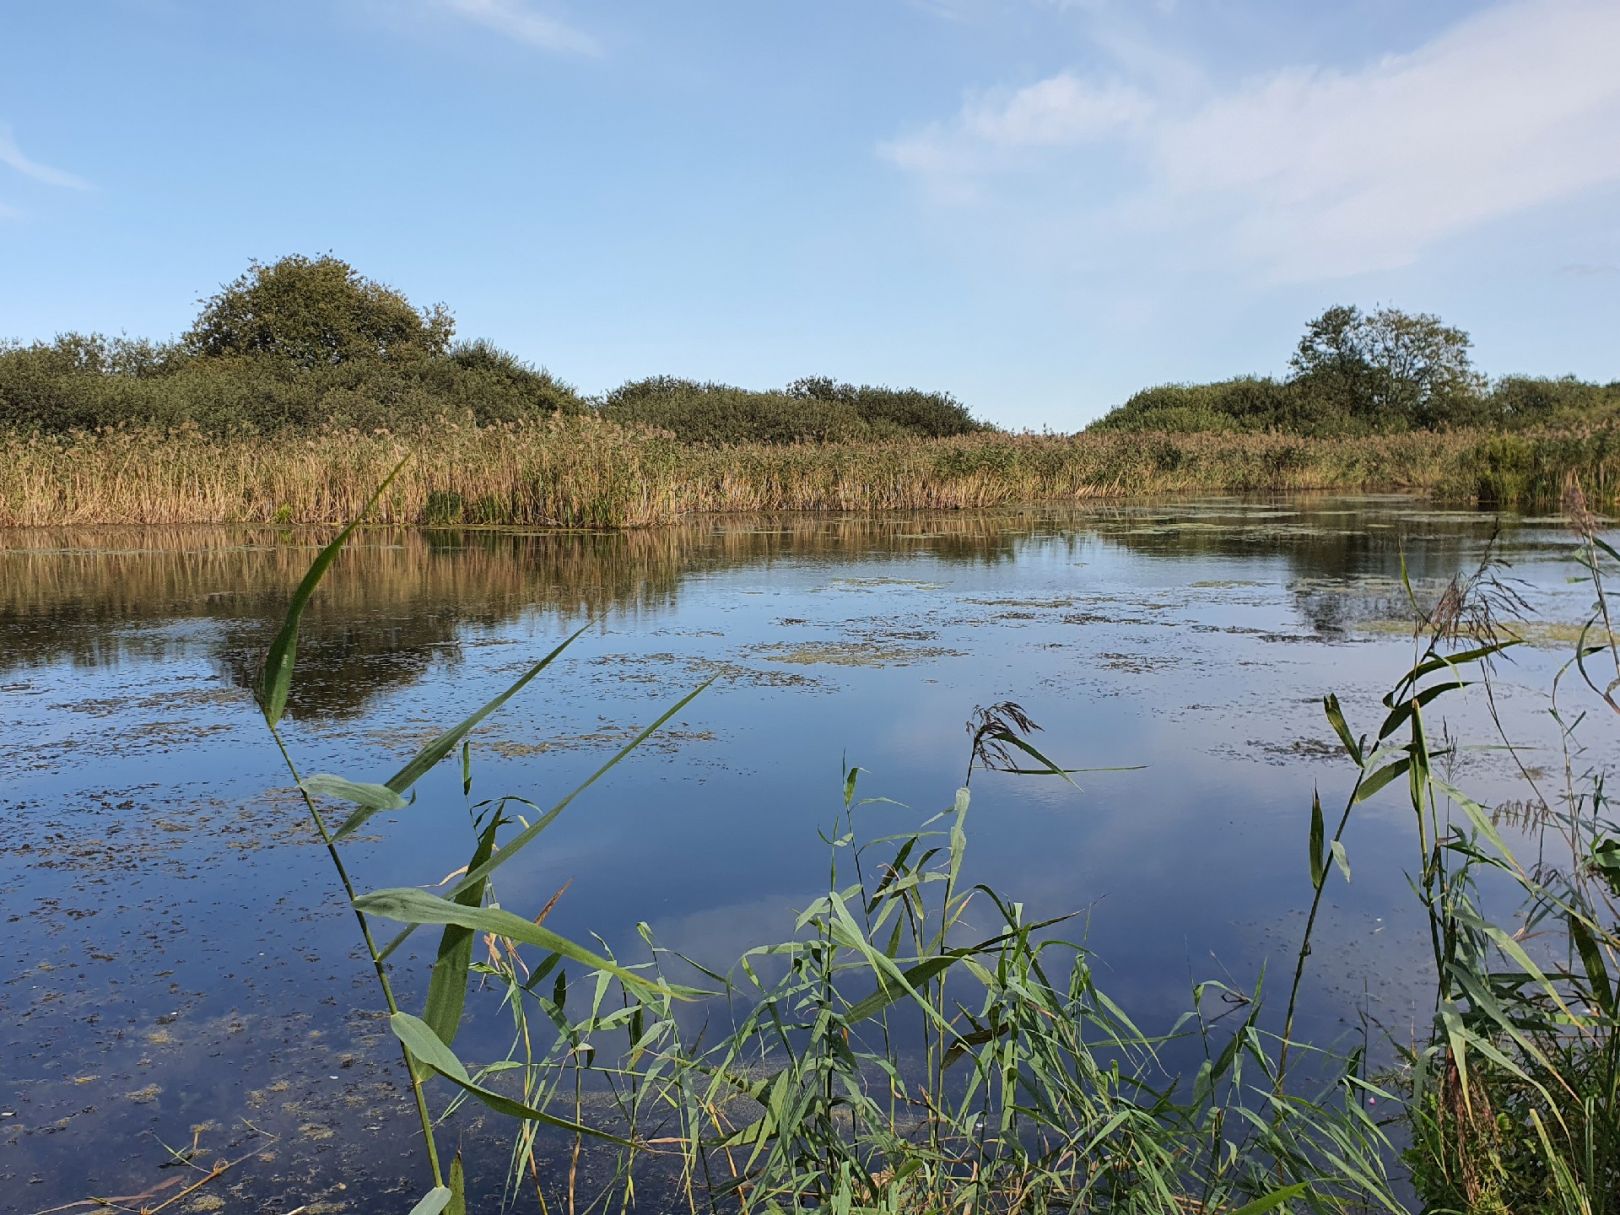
[(1309, 171), (1590, 269), (995, 127), (524, 22), (12, 157)]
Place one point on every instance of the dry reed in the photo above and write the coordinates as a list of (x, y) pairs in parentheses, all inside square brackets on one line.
[(588, 473)]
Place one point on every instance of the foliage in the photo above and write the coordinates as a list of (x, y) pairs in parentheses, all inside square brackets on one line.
[(295, 345), (54, 388), (1386, 369), (316, 312), (1521, 400), (1247, 403), (304, 344), (910, 410), (1356, 373), (811, 410), (1512, 1100), (308, 343), (714, 414)]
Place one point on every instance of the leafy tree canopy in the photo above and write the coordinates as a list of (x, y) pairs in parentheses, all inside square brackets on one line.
[(316, 312), (296, 344), (1388, 368)]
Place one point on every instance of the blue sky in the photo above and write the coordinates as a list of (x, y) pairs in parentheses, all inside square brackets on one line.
[(1038, 204)]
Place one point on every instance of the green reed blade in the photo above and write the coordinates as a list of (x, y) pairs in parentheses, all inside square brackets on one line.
[(276, 680), (1382, 777), (372, 797), (458, 1188), (514, 845), (447, 986), (447, 742), (427, 1050), (412, 906), (1335, 716), (1406, 708), (1272, 1200), (1430, 665), (434, 1201), (1318, 863)]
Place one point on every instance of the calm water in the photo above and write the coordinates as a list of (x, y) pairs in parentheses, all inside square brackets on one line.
[(175, 962)]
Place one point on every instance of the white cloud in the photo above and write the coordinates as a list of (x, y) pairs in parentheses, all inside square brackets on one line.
[(996, 129), (1309, 172), (524, 23), (12, 157), (1061, 111)]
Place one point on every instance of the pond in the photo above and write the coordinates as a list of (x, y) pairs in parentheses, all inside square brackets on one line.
[(179, 972)]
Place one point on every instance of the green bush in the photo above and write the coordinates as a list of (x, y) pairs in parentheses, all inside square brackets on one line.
[(1522, 400), (1244, 404), (814, 410), (910, 410), (49, 387)]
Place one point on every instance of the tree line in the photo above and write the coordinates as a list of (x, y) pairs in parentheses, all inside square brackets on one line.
[(1379, 372), (308, 342), (303, 343)]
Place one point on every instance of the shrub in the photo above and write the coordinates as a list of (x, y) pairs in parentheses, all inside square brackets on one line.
[(720, 413), (911, 410), (812, 410)]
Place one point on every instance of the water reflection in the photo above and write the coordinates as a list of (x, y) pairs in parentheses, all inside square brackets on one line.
[(398, 602), (401, 601)]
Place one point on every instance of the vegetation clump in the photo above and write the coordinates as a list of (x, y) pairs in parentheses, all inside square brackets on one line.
[(299, 344), (1364, 373), (814, 409)]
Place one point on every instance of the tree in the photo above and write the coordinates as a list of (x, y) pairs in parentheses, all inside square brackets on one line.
[(316, 312), (1387, 368)]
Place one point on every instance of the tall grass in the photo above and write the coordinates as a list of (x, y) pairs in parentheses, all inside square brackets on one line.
[(589, 473), (1513, 1102)]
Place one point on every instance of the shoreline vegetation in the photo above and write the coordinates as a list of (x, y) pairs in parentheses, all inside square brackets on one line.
[(301, 383), (587, 472)]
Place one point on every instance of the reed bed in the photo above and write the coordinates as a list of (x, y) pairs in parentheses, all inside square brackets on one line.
[(590, 473)]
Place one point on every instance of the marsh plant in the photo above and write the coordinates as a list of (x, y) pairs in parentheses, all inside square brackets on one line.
[(587, 472), (1513, 1103), (919, 1042)]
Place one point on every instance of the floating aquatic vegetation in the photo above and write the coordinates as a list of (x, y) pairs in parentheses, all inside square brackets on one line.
[(852, 654)]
